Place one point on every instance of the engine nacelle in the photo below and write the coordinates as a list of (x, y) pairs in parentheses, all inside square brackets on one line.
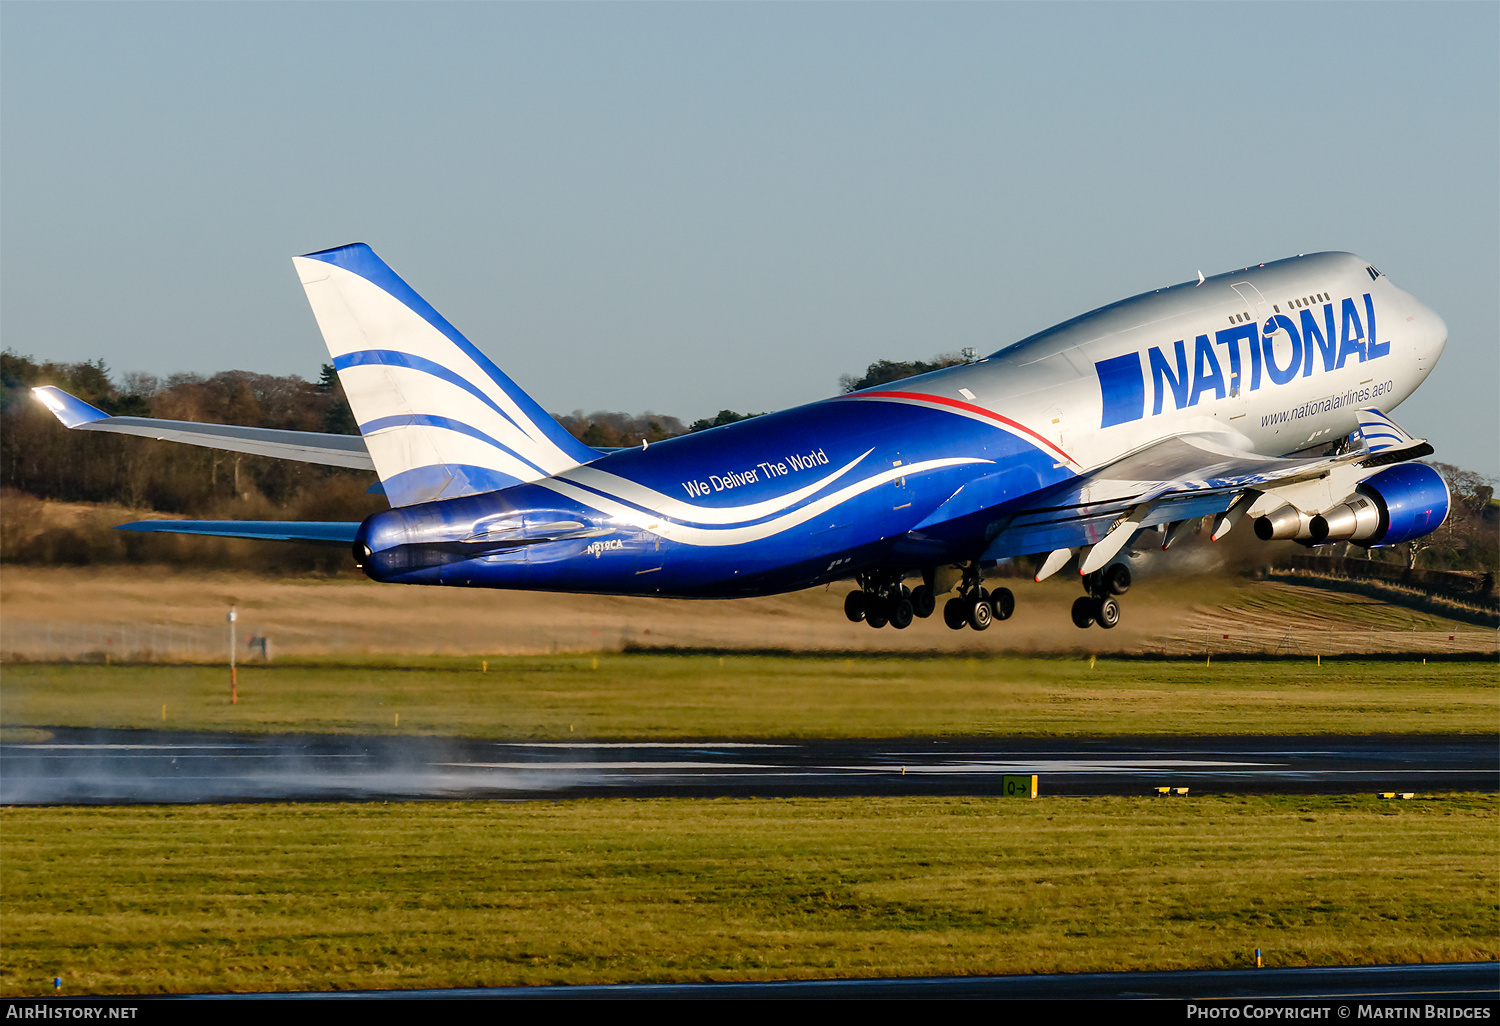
[(1396, 505), (1285, 524)]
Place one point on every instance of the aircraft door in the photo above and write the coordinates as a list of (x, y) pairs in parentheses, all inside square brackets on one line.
[(1236, 405), (1055, 428), (901, 494)]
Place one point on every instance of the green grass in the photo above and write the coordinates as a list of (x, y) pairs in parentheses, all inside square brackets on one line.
[(698, 695), (309, 897)]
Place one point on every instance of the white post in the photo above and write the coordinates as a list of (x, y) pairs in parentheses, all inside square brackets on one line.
[(234, 698)]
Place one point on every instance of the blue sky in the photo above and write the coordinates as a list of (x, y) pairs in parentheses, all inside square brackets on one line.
[(684, 207)]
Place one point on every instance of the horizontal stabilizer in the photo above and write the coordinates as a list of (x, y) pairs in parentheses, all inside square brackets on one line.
[(319, 532), (303, 446)]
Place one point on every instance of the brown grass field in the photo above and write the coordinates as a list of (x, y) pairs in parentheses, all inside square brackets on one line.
[(159, 614)]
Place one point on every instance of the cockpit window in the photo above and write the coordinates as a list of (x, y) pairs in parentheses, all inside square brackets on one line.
[(1373, 273)]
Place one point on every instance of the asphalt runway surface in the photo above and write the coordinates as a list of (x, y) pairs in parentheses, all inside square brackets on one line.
[(82, 766), (1383, 985)]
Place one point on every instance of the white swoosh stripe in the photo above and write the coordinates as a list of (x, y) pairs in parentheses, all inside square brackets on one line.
[(402, 330), (630, 491), (705, 537)]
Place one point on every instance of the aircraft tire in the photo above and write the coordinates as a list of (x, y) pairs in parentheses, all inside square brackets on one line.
[(1004, 602), (1083, 613), (955, 615), (876, 616), (901, 614), (981, 614), (923, 602), (1107, 613), (1117, 578), (855, 606)]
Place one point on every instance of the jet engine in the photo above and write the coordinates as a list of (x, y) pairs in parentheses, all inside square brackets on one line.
[(1396, 505)]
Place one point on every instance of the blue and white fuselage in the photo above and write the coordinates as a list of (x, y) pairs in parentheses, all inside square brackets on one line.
[(931, 469), (1260, 393)]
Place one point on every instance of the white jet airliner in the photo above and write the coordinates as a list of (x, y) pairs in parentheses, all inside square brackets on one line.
[(1261, 393)]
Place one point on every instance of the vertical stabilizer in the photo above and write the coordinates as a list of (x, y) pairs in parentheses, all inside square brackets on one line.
[(440, 420)]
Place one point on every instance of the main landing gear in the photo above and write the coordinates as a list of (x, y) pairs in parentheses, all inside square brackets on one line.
[(974, 606), (882, 599), (1099, 606)]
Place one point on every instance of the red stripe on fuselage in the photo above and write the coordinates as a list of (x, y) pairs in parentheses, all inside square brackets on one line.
[(970, 407)]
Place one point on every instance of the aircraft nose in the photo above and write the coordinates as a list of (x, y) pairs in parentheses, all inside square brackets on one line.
[(1432, 334)]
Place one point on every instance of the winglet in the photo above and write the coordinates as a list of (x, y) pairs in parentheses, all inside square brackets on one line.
[(1380, 431), (72, 411)]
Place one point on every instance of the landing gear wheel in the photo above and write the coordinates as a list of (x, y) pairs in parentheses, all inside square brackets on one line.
[(923, 601), (955, 614), (1107, 613), (901, 614), (1117, 578), (981, 613), (855, 606), (1083, 613), (877, 613), (1004, 603)]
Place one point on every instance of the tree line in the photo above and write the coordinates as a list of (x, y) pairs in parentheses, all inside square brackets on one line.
[(40, 460)]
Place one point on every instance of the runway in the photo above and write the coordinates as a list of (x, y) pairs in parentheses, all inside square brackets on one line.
[(80, 766), (1387, 986)]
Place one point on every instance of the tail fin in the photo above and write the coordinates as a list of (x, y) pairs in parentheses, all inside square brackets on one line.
[(440, 420)]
